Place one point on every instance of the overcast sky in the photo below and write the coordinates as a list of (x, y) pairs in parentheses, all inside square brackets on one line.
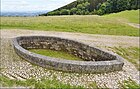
[(32, 5)]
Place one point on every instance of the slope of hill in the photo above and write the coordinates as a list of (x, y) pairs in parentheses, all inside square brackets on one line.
[(99, 7), (91, 4), (93, 24), (79, 7), (131, 16)]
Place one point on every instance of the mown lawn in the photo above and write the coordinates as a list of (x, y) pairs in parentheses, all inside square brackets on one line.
[(56, 54), (84, 24)]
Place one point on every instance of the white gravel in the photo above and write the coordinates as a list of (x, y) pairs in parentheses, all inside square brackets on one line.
[(16, 68)]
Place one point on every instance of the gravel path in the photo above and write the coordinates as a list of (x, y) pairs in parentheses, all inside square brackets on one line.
[(16, 68)]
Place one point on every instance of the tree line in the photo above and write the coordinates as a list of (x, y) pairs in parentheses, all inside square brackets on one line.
[(97, 7), (113, 6)]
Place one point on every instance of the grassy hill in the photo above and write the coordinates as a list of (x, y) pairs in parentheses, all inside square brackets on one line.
[(91, 24), (92, 6), (129, 16), (81, 7), (98, 7)]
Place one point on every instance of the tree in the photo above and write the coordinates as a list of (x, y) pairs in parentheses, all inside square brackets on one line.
[(73, 11), (102, 9), (56, 12), (80, 1), (98, 6), (121, 5), (111, 6), (64, 12), (86, 5), (135, 4), (80, 6), (108, 8), (87, 12), (50, 13), (78, 12)]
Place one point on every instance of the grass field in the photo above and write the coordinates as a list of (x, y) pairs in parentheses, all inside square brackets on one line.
[(85, 24), (129, 84), (131, 16), (132, 54), (33, 83), (56, 54), (45, 83)]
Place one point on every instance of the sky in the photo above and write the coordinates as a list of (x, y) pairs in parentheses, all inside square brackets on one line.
[(32, 5)]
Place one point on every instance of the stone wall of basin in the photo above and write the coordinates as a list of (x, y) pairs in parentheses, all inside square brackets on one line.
[(95, 60)]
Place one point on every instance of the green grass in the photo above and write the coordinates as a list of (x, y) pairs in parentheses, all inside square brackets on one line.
[(94, 85), (130, 84), (129, 16), (132, 54), (56, 54), (84, 24), (32, 83), (45, 83)]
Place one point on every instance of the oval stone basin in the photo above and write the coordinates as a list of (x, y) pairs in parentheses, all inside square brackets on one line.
[(95, 60)]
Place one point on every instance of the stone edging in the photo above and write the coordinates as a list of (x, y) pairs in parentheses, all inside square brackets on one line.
[(96, 60)]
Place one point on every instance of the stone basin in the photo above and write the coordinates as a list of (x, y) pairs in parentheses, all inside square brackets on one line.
[(95, 60)]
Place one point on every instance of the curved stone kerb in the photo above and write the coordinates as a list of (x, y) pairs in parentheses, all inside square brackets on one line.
[(108, 65)]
